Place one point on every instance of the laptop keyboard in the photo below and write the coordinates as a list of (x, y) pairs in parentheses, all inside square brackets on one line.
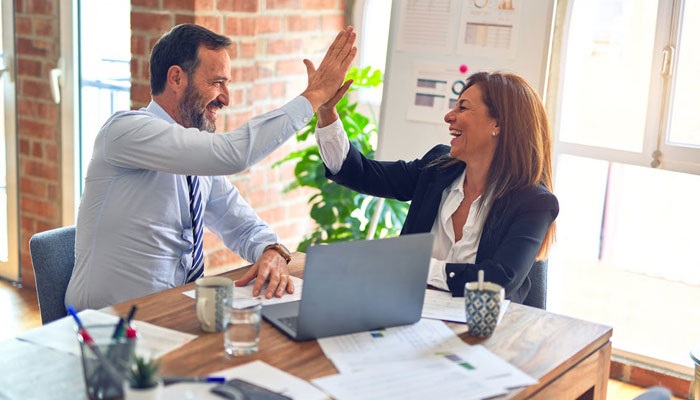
[(290, 322)]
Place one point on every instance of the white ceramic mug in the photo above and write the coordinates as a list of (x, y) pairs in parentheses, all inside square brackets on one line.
[(212, 295)]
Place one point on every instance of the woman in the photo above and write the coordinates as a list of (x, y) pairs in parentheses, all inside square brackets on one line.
[(486, 198)]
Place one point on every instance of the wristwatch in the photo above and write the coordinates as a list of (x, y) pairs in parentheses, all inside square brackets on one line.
[(280, 248)]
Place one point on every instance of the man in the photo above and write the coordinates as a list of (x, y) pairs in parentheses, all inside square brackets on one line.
[(156, 175)]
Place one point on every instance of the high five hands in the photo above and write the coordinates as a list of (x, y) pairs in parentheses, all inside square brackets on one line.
[(326, 82)]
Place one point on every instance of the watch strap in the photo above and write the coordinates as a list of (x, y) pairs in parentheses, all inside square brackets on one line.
[(279, 248)]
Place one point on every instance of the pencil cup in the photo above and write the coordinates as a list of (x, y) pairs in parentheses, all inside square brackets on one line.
[(212, 295), (106, 361), (242, 335), (483, 305)]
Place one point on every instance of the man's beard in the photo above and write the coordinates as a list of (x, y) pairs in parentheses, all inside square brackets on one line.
[(193, 111)]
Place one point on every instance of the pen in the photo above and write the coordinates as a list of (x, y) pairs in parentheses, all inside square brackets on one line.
[(131, 314), (204, 379), (91, 344), (118, 329)]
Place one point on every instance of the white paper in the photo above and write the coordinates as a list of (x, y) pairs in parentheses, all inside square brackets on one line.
[(472, 373), (257, 372), (436, 88), (425, 338), (489, 28), (480, 363), (441, 305), (153, 340), (432, 378), (425, 25), (243, 295)]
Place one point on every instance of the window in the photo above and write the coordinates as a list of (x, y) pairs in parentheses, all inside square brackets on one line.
[(371, 18), (627, 158), (96, 53), (105, 69)]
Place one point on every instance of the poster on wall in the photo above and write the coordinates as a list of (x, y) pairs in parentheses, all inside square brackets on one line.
[(489, 28)]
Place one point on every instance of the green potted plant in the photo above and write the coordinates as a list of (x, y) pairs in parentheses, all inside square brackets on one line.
[(142, 382), (342, 214)]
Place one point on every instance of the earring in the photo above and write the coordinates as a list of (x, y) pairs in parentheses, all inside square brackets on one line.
[(493, 133)]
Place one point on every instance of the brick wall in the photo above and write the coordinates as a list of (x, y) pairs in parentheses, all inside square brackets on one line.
[(38, 124), (271, 37)]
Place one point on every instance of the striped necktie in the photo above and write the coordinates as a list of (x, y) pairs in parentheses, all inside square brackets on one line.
[(198, 229)]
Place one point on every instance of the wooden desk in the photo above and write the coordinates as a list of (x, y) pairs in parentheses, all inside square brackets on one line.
[(569, 357)]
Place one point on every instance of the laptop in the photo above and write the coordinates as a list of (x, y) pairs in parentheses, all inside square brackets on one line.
[(357, 286)]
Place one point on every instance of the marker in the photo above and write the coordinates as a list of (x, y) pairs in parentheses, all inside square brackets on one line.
[(204, 379), (130, 332)]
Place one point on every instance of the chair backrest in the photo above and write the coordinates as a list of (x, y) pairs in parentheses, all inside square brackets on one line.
[(538, 291), (53, 258), (655, 393)]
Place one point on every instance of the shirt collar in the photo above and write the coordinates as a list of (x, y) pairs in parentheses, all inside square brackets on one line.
[(458, 184), (156, 109)]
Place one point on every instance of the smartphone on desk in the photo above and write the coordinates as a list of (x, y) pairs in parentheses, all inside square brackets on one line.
[(238, 389)]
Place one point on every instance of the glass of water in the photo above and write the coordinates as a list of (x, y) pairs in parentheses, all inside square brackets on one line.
[(242, 334)]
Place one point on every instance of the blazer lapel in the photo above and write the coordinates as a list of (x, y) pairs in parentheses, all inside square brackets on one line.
[(426, 200)]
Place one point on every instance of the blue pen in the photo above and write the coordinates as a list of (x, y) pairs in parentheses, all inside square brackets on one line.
[(92, 346), (131, 314), (204, 379)]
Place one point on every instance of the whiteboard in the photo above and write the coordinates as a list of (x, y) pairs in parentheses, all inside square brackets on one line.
[(435, 44)]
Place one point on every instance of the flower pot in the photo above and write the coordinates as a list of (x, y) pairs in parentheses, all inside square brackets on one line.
[(152, 393)]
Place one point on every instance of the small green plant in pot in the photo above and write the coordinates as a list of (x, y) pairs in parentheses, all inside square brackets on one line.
[(342, 214), (142, 381)]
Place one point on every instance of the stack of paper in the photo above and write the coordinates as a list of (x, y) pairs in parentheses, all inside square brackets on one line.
[(424, 360)]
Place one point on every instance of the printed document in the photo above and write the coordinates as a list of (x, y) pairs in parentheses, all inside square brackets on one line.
[(441, 305), (434, 378), (425, 338), (243, 296)]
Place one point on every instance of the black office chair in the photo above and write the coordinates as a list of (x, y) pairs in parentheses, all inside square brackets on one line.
[(538, 291), (53, 258)]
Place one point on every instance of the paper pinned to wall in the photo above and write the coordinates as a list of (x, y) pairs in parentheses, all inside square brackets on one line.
[(436, 90), (424, 25), (489, 28)]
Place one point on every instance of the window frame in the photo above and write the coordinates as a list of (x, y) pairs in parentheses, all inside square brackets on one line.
[(672, 157)]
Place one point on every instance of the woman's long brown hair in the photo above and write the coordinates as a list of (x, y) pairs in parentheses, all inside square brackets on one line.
[(523, 156)]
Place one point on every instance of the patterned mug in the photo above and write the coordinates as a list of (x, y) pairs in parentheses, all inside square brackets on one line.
[(212, 295), (483, 306)]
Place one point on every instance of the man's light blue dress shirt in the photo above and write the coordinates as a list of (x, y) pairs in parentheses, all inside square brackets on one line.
[(134, 228)]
